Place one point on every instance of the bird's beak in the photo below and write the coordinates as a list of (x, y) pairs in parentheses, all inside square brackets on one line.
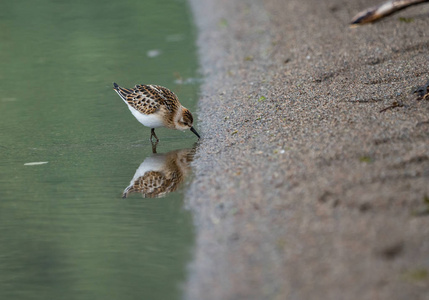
[(196, 133)]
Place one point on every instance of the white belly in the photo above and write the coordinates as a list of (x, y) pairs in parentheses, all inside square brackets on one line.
[(151, 121), (152, 163)]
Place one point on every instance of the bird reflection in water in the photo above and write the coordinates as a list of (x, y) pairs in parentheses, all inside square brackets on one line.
[(161, 173)]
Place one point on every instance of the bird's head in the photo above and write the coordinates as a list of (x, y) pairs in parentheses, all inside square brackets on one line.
[(186, 121)]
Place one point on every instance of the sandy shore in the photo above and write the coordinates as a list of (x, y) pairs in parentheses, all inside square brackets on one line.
[(303, 189)]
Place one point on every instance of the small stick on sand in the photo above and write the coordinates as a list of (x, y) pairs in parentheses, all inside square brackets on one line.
[(394, 104), (377, 12)]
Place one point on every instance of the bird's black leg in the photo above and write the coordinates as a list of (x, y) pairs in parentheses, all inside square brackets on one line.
[(154, 144), (152, 133)]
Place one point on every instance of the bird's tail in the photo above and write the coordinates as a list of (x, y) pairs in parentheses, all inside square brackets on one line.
[(122, 92)]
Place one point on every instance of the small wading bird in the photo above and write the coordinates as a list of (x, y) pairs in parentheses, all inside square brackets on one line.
[(160, 174), (387, 8), (156, 106)]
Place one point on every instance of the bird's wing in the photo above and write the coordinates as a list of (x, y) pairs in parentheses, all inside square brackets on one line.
[(139, 98), (151, 185), (162, 95)]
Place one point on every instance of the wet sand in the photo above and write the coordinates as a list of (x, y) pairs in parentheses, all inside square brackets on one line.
[(303, 189)]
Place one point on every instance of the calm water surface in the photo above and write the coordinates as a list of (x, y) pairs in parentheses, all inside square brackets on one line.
[(65, 231)]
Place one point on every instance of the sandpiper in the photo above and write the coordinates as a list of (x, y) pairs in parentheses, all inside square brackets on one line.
[(161, 173), (156, 106)]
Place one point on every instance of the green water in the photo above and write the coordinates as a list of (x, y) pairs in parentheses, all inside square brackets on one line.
[(65, 231)]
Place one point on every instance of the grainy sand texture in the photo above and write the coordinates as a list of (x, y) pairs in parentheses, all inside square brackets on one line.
[(303, 189)]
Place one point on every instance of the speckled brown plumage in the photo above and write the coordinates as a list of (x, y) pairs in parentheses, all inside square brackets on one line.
[(147, 99), (154, 184), (156, 106), (158, 183)]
